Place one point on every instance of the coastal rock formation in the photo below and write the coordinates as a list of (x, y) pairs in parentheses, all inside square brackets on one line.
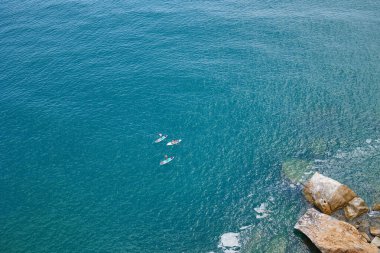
[(331, 235), (355, 208), (376, 241), (327, 194), (374, 231), (376, 207)]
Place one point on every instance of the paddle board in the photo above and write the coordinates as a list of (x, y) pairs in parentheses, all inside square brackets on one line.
[(173, 142), (166, 161), (160, 139)]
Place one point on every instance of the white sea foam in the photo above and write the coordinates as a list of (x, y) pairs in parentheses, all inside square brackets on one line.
[(262, 216), (374, 214), (261, 209), (245, 227), (357, 153), (230, 251), (353, 156), (230, 242)]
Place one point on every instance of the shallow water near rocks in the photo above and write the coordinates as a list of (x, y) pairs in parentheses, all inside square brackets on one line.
[(247, 85)]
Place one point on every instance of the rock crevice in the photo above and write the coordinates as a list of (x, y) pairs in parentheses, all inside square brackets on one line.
[(329, 234)]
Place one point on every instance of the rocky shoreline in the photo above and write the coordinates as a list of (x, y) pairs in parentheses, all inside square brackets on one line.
[(341, 221)]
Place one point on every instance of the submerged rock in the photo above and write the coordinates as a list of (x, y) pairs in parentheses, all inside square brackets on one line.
[(327, 194), (331, 235), (256, 240), (296, 170), (319, 147), (277, 245), (355, 208)]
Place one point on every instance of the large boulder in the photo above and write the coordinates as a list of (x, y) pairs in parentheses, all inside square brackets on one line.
[(327, 194), (355, 208), (376, 207), (331, 235)]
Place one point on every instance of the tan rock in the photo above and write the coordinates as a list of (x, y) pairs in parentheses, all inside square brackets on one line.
[(331, 235), (374, 231), (376, 207), (365, 236), (327, 194), (376, 241), (355, 208)]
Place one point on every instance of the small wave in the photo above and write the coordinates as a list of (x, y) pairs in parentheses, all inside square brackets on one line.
[(261, 208), (359, 152), (374, 214), (355, 155), (246, 227)]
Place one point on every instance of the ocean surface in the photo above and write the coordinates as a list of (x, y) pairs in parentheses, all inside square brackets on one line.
[(251, 88)]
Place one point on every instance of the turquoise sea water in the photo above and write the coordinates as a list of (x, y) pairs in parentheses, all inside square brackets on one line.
[(248, 85)]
